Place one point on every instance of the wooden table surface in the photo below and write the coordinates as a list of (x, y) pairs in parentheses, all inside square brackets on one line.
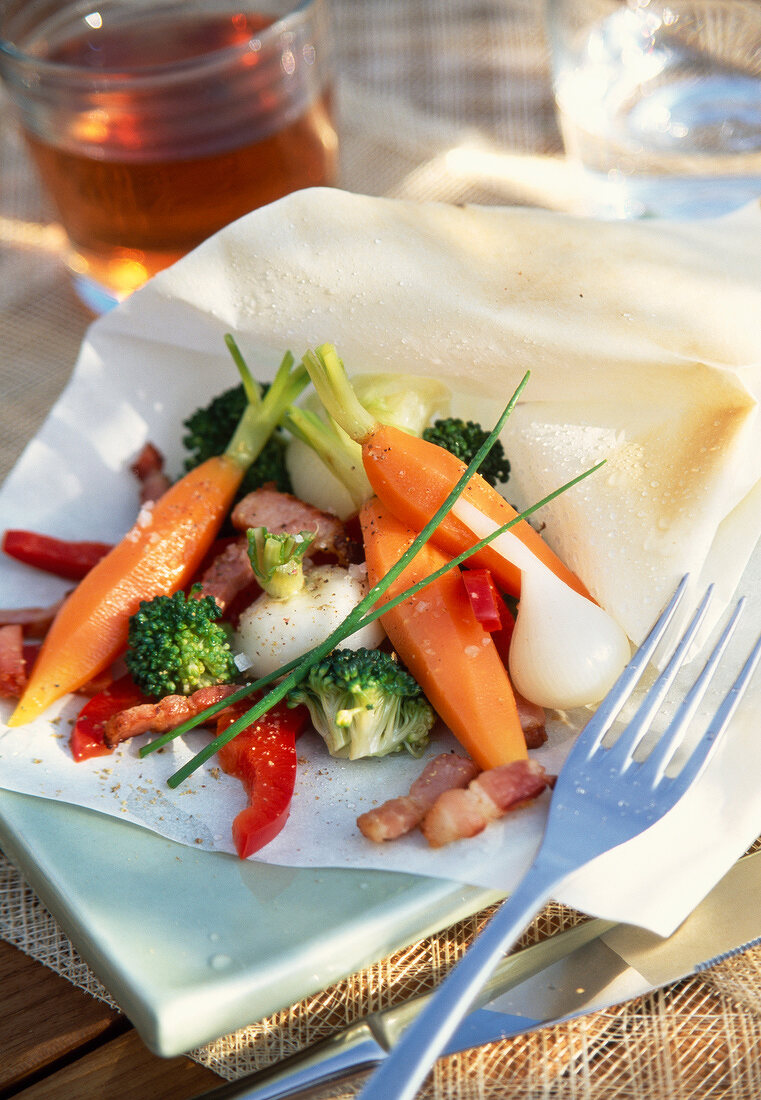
[(57, 1041)]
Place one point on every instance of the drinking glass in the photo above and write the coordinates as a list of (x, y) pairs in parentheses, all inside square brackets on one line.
[(659, 103), (153, 124)]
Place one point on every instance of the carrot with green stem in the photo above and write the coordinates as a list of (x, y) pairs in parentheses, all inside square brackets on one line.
[(412, 477), (159, 555)]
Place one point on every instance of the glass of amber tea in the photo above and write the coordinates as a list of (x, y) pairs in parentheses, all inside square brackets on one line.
[(153, 124)]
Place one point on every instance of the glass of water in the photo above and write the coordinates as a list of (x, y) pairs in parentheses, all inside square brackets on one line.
[(659, 103)]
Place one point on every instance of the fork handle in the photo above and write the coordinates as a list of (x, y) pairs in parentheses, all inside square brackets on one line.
[(404, 1070)]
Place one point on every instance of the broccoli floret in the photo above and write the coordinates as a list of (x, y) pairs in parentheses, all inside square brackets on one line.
[(362, 703), (278, 560), (175, 646), (210, 428), (463, 438)]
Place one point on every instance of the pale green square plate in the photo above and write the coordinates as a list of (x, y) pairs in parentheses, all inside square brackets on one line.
[(193, 945)]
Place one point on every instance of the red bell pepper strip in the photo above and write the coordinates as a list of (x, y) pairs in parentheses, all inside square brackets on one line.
[(490, 608), (484, 598), (504, 635), (86, 738), (263, 757), (61, 557)]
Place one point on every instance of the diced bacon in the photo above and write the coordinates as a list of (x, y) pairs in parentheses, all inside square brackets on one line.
[(283, 513), (532, 720), (393, 819), (454, 816), (12, 663), (401, 815), (444, 771), (34, 621), (228, 575), (510, 784), (166, 714), (457, 814), (148, 468)]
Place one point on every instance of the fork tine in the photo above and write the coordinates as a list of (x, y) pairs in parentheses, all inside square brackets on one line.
[(620, 755), (653, 768), (589, 740), (721, 719)]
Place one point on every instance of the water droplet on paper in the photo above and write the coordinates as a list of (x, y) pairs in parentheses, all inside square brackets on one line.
[(219, 962)]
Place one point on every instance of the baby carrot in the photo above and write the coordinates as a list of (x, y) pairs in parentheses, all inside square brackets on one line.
[(159, 555), (443, 645), (412, 477)]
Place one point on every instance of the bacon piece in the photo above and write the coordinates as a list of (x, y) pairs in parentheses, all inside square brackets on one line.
[(532, 721), (12, 663), (400, 815), (148, 468), (283, 513), (166, 714), (34, 621), (228, 575), (457, 814)]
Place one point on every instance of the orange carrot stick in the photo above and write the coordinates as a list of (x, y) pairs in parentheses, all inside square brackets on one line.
[(159, 555), (413, 477), (445, 648)]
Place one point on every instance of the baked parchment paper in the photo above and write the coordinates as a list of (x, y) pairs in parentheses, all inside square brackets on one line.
[(644, 348)]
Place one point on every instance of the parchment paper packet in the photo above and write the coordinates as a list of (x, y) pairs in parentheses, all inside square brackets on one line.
[(643, 346)]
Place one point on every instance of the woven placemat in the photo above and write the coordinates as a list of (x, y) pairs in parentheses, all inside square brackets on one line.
[(701, 1038), (451, 102)]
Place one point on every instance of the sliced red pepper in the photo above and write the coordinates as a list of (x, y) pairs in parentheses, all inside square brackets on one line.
[(86, 738), (490, 609), (484, 597), (263, 757), (504, 635), (61, 557)]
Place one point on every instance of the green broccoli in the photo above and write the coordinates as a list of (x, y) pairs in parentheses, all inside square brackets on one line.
[(363, 703), (175, 647), (278, 560), (463, 438)]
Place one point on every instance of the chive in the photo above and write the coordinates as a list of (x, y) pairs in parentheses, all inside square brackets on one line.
[(355, 616)]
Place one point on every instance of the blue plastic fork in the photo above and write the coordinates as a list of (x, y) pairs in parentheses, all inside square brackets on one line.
[(602, 798)]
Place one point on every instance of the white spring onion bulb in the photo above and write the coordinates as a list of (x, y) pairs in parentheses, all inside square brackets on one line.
[(566, 651)]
